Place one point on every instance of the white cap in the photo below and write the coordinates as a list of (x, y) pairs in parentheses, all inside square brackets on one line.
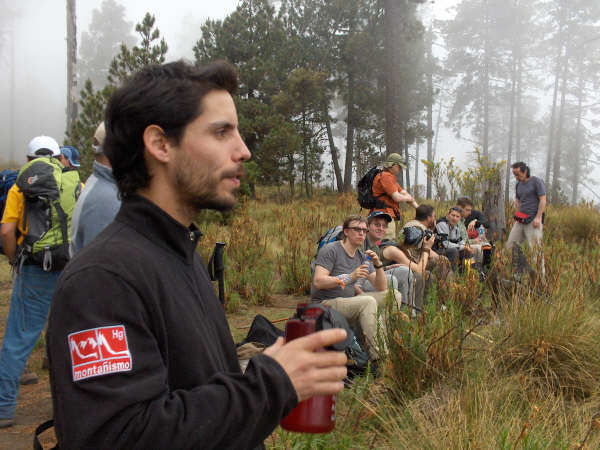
[(42, 142)]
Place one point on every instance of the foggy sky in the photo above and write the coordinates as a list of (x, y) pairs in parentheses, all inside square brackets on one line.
[(40, 74), (39, 93)]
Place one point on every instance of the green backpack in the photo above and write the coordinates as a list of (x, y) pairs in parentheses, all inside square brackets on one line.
[(50, 193)]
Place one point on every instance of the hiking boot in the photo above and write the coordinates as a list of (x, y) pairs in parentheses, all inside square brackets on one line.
[(28, 377), (5, 423)]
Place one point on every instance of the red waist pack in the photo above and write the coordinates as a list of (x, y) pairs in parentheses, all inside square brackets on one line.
[(523, 218)]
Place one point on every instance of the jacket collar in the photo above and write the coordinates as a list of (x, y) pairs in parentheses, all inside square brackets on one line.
[(159, 227), (102, 171)]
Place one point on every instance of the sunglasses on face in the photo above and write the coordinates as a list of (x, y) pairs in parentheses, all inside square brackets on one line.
[(359, 229)]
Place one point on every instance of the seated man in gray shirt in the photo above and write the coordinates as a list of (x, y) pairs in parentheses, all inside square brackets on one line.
[(99, 201), (338, 267)]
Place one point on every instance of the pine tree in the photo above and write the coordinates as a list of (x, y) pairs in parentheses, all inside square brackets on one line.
[(93, 103)]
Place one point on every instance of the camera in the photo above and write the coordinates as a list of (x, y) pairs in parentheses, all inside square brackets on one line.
[(427, 234)]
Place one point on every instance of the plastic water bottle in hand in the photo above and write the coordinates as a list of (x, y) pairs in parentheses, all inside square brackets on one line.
[(481, 231), (369, 263)]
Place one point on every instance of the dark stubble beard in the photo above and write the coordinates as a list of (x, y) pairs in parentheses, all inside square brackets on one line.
[(198, 188)]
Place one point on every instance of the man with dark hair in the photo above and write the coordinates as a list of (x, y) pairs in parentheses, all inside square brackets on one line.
[(472, 221), (452, 244), (387, 190), (141, 355), (531, 204), (425, 220), (472, 218), (22, 223)]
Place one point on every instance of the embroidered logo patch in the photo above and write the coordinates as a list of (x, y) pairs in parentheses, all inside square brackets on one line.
[(99, 351)]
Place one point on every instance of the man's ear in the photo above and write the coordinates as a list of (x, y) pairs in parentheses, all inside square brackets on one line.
[(156, 143)]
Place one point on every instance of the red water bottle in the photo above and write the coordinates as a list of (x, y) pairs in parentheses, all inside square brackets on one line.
[(317, 414)]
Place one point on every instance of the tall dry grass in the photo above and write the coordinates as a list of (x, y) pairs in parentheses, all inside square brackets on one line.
[(503, 364)]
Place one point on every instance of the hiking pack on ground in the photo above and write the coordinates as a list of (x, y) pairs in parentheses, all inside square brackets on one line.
[(366, 199), (7, 179), (50, 193)]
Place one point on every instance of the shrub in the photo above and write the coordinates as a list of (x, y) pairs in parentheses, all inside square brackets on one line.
[(424, 350), (575, 224), (555, 344), (485, 411)]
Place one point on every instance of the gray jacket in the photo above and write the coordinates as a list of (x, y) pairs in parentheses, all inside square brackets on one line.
[(96, 207), (454, 239)]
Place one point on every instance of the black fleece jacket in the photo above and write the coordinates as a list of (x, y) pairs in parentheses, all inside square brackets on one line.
[(141, 355)]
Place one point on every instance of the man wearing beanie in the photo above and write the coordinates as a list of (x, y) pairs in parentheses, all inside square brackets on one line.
[(99, 202), (387, 190)]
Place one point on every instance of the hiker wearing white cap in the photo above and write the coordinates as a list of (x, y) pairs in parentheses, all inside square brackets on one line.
[(37, 249), (387, 189), (99, 202)]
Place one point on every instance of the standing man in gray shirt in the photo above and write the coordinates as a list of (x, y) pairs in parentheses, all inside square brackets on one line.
[(99, 202), (531, 204)]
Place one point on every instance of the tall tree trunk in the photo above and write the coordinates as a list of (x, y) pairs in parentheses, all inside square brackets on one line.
[(510, 127), (437, 130), (416, 165), (556, 163), (334, 153), (291, 176), (349, 135), (393, 17), (557, 71), (71, 64), (486, 82), (552, 131), (577, 155), (519, 99), (429, 116), (305, 151), (407, 161)]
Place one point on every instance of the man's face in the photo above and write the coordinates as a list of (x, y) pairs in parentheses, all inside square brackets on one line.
[(519, 174), (65, 161), (453, 217), (377, 229), (396, 169), (209, 159), (356, 232), (466, 210)]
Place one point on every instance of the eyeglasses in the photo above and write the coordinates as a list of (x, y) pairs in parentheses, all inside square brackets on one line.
[(359, 229)]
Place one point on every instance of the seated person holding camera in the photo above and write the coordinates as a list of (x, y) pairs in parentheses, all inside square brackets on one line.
[(396, 257), (400, 276), (451, 242), (338, 266)]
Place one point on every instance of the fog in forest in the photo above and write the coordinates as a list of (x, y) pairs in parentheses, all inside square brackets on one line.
[(517, 83)]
